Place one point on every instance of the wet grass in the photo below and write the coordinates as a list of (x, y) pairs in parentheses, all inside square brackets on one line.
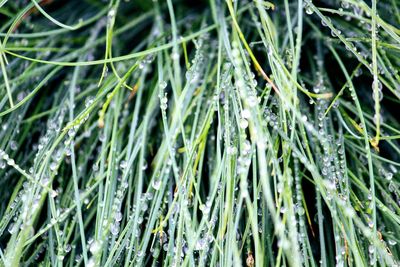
[(199, 133)]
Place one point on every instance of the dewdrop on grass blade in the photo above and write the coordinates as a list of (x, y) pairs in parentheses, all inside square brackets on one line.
[(345, 4), (114, 229), (95, 247), (67, 248), (123, 164), (111, 13), (68, 151), (231, 150), (12, 228), (89, 101), (144, 166), (53, 193), (163, 84), (13, 145), (11, 162), (53, 166), (164, 102), (201, 244), (389, 176), (175, 56), (309, 10), (243, 124), (2, 164), (118, 216)]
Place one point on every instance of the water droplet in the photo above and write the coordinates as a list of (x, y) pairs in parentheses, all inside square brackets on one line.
[(164, 102), (144, 167), (91, 262), (114, 229), (71, 132), (175, 56), (12, 228), (95, 247), (246, 114), (89, 101), (371, 249), (53, 193), (156, 184), (345, 4), (163, 84), (67, 248), (53, 166), (118, 216), (141, 65), (243, 124), (111, 13), (201, 244), (123, 164), (300, 211), (231, 150), (389, 176), (309, 10), (13, 145)]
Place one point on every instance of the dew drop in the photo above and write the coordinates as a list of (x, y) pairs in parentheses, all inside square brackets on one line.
[(156, 184), (53, 166), (309, 10), (243, 124), (123, 164), (13, 145), (114, 229), (163, 84), (95, 247), (118, 216)]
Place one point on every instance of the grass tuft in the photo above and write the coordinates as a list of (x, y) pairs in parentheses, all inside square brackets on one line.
[(199, 133)]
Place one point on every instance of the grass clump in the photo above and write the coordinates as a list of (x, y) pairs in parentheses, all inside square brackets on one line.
[(199, 133)]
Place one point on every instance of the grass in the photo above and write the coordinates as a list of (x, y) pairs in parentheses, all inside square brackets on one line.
[(203, 133)]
